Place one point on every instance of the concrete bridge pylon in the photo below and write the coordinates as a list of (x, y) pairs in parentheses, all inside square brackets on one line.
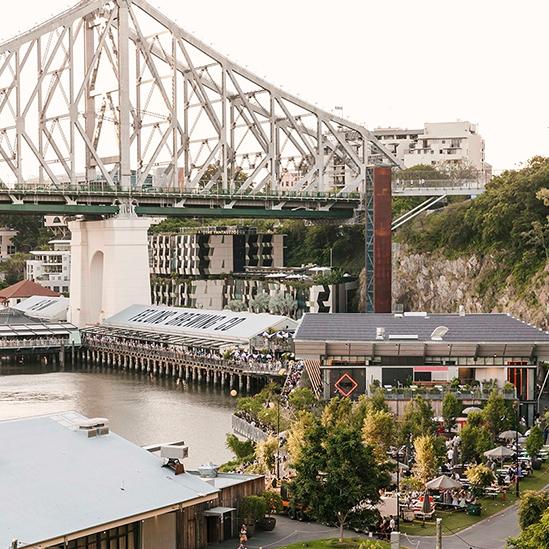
[(109, 267)]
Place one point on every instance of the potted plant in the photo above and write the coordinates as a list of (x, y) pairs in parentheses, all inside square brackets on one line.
[(273, 501), (252, 509)]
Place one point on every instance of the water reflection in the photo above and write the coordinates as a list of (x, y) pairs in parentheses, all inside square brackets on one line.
[(142, 409)]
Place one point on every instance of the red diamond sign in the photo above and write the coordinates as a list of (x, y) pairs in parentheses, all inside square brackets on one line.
[(346, 385)]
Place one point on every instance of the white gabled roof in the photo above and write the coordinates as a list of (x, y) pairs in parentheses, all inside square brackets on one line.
[(226, 325), (47, 308), (55, 481)]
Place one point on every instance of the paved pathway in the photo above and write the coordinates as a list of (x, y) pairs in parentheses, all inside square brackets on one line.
[(490, 533), (287, 531)]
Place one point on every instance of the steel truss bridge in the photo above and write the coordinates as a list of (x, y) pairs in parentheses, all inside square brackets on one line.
[(111, 102)]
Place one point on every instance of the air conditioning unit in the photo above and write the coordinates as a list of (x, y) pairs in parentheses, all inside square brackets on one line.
[(174, 452)]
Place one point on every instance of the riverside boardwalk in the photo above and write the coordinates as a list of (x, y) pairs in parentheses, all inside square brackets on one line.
[(243, 351)]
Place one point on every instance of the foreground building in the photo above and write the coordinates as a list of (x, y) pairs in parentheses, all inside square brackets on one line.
[(92, 489), (357, 351)]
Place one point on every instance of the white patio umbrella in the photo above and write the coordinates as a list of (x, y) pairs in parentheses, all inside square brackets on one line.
[(443, 483), (500, 452), (471, 409), (509, 435)]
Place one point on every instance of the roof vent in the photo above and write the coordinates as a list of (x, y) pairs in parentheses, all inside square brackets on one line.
[(380, 333), (416, 313), (438, 333), (174, 455), (208, 470), (461, 310), (94, 427), (412, 337), (399, 315)]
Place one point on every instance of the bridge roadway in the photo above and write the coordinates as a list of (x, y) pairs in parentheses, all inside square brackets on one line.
[(98, 199)]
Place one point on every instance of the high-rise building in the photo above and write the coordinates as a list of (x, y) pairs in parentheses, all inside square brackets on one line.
[(210, 251)]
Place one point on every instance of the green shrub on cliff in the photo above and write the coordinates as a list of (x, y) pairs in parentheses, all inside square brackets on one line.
[(508, 221)]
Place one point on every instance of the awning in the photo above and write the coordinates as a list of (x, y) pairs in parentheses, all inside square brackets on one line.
[(217, 511)]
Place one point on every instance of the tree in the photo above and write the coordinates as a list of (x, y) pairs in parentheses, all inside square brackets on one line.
[(273, 501), (260, 303), (534, 537), (532, 505), (281, 304), (244, 450), (451, 408), (297, 434), (338, 412), (252, 509), (378, 431), (475, 440), (480, 477), (31, 233), (417, 419), (534, 442), (496, 414), (14, 267), (425, 466), (236, 305), (335, 473), (265, 452), (302, 398)]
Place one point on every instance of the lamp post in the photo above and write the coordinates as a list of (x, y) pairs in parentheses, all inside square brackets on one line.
[(517, 489), (277, 436)]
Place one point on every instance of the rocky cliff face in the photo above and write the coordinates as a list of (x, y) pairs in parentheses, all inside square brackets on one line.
[(431, 282)]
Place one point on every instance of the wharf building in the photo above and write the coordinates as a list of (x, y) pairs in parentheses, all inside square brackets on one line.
[(192, 345), (93, 489), (413, 353)]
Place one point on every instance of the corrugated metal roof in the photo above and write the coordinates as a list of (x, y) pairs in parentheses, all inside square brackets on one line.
[(238, 327), (474, 328), (55, 480)]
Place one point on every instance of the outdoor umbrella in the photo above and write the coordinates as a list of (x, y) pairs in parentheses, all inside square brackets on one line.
[(509, 435), (471, 409), (443, 483), (500, 452)]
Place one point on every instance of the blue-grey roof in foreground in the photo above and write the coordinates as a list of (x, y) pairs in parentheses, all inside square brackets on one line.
[(470, 328), (56, 481)]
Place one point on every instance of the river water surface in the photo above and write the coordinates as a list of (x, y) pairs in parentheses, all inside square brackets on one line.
[(142, 409)]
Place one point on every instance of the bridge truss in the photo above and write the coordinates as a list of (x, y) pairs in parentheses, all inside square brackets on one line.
[(116, 92)]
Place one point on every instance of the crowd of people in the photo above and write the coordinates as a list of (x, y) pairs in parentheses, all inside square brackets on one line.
[(255, 360)]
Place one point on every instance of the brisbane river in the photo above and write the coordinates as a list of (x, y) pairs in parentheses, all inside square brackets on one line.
[(143, 409)]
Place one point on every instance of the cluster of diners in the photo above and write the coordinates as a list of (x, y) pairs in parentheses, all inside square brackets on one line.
[(452, 489)]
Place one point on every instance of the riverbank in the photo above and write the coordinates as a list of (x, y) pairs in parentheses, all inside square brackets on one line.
[(141, 408)]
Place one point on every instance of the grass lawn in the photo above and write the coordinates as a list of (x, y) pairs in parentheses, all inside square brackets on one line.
[(348, 543), (455, 521)]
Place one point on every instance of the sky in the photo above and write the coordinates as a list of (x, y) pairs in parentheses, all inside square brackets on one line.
[(387, 63)]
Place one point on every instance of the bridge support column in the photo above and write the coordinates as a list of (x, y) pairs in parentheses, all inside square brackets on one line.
[(109, 267)]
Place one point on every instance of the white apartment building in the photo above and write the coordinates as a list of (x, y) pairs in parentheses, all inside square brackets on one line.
[(437, 144), (51, 268)]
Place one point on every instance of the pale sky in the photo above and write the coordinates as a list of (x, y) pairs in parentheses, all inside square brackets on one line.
[(388, 63)]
